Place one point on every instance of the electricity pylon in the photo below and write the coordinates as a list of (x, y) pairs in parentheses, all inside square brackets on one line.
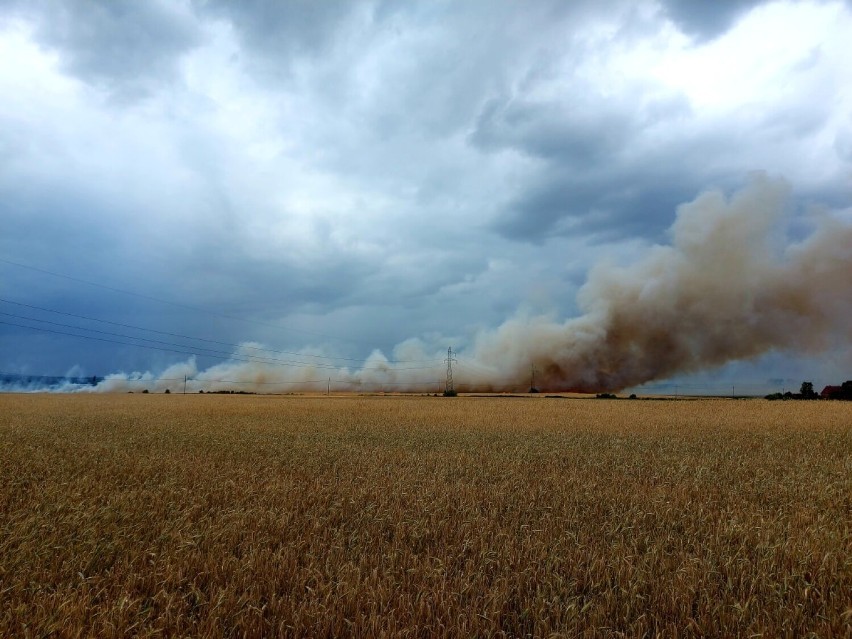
[(533, 389), (448, 386)]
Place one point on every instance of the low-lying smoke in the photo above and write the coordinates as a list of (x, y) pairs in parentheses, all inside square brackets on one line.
[(730, 286)]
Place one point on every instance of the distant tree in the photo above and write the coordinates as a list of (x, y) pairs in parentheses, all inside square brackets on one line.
[(807, 391)]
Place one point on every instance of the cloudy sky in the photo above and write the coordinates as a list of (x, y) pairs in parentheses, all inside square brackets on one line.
[(339, 177)]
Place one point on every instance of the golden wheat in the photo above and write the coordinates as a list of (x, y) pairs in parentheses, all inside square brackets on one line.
[(241, 516)]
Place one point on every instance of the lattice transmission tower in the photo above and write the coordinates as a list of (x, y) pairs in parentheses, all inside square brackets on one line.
[(449, 391)]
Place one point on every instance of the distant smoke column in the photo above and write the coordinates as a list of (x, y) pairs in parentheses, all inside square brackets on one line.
[(728, 287)]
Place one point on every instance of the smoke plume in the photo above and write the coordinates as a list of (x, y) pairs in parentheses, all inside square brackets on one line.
[(729, 286)]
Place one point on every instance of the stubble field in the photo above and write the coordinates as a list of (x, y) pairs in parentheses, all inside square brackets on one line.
[(260, 516)]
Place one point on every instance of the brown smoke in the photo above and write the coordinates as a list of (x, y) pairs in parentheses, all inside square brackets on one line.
[(727, 288)]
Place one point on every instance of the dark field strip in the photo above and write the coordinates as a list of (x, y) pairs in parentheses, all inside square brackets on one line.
[(258, 516)]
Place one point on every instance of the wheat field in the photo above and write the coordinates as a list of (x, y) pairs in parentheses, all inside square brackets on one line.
[(262, 516)]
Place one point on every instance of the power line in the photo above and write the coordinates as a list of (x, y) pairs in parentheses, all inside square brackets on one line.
[(200, 339), (483, 370), (175, 304), (97, 339), (200, 351), (206, 351), (184, 350), (306, 381), (47, 381), (140, 380), (474, 368), (78, 381)]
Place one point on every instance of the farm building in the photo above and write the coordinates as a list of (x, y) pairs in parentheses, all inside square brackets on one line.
[(838, 392)]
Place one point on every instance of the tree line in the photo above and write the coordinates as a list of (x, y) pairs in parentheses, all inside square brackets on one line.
[(844, 391)]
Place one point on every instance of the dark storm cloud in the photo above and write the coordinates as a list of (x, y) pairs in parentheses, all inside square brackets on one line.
[(599, 173), (706, 20), (590, 181), (130, 48), (609, 207), (562, 133), (282, 29)]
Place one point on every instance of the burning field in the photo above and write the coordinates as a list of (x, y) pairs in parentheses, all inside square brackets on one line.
[(256, 516)]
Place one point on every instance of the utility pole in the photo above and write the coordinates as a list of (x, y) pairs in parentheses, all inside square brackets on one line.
[(328, 387), (184, 384), (449, 391), (533, 389)]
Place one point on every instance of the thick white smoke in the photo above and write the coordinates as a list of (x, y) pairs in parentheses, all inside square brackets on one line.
[(413, 370), (730, 286)]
